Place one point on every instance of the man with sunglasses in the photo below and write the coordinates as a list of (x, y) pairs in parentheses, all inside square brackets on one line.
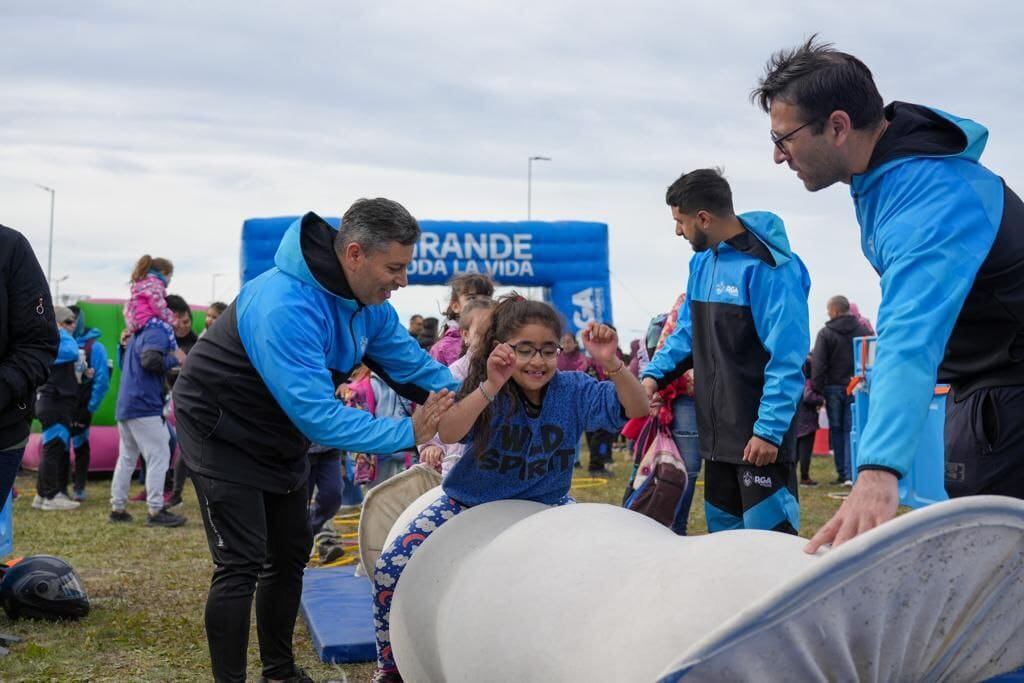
[(946, 235), (744, 330)]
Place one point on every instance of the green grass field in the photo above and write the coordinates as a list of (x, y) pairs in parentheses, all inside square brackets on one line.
[(148, 588)]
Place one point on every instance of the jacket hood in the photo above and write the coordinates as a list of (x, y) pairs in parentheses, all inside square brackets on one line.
[(844, 324), (67, 350), (917, 131), (306, 253), (771, 231), (90, 333)]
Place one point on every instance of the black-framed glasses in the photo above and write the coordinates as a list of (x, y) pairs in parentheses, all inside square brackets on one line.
[(525, 351), (779, 141)]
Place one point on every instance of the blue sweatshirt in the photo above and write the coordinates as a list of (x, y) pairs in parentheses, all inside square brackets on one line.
[(531, 458)]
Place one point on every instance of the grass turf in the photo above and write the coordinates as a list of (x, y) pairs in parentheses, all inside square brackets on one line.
[(148, 587)]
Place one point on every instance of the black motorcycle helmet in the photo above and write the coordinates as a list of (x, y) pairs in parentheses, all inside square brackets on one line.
[(43, 587)]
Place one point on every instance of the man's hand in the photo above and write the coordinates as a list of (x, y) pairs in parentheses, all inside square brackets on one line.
[(431, 456), (651, 387), (126, 334), (872, 501), (759, 452), (426, 417), (180, 355)]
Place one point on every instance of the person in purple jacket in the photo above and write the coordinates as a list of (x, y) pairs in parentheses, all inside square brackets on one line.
[(465, 288), (520, 418)]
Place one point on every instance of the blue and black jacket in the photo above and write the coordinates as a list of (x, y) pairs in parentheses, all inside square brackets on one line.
[(744, 329), (947, 237), (94, 390), (258, 387)]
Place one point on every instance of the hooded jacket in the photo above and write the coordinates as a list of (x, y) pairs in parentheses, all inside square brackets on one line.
[(258, 387), (947, 237), (832, 363), (744, 328), (93, 390), (448, 348), (28, 335)]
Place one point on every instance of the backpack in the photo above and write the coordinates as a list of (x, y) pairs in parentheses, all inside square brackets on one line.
[(659, 478)]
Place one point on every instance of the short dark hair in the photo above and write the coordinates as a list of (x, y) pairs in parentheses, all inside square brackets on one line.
[(218, 306), (840, 303), (819, 80), (374, 224), (705, 189), (177, 304)]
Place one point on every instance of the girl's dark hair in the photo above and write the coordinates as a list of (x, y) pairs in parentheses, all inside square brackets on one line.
[(511, 313), (148, 263), (469, 283)]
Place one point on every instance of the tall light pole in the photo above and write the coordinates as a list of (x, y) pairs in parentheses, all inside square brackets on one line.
[(529, 183), (213, 285), (49, 256), (56, 289)]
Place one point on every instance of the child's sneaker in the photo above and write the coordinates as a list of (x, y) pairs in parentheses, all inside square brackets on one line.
[(139, 497), (118, 516), (79, 495), (381, 676)]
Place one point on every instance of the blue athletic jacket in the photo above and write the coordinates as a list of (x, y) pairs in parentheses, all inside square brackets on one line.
[(947, 237), (259, 385), (97, 387), (744, 329)]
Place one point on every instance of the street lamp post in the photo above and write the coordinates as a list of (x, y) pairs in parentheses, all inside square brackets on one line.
[(49, 256), (56, 288), (213, 285), (529, 183)]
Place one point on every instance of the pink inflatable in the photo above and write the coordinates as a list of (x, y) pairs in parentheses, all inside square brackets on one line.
[(102, 442)]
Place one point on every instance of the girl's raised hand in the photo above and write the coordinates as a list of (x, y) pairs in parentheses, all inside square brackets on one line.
[(500, 365), (601, 342)]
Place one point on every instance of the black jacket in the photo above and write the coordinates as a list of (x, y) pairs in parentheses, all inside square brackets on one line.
[(28, 334), (832, 363)]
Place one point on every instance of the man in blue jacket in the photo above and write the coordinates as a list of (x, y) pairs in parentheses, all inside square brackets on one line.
[(92, 389), (744, 330), (259, 387), (946, 235)]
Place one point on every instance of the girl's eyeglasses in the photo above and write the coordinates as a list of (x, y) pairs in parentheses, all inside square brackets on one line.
[(525, 351)]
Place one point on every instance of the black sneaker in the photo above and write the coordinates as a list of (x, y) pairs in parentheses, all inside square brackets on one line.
[(165, 519), (299, 676), (119, 516)]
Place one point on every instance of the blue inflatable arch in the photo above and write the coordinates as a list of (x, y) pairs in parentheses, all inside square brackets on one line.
[(570, 258)]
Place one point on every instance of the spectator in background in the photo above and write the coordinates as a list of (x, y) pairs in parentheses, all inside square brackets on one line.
[(146, 359), (428, 333), (91, 392), (212, 313), (807, 424), (855, 312), (28, 346), (415, 326), (55, 406), (182, 322), (831, 370), (465, 289)]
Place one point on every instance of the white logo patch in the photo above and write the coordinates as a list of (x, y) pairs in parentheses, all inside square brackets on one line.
[(729, 290)]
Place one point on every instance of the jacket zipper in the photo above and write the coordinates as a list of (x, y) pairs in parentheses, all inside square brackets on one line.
[(714, 361)]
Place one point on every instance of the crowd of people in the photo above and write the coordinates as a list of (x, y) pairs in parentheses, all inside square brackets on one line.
[(307, 386)]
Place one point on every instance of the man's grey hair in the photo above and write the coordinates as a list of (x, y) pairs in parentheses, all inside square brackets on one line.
[(374, 224), (840, 303)]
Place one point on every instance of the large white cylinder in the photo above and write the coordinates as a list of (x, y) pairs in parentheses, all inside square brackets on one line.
[(516, 591)]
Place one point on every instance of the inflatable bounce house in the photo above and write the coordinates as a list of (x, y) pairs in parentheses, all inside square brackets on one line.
[(569, 258)]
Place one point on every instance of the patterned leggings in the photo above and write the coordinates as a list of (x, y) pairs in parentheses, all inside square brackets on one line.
[(391, 563)]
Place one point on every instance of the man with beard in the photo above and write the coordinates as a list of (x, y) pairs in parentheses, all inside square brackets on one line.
[(946, 235), (744, 330)]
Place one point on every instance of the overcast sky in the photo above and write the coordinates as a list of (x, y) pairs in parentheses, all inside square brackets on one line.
[(163, 126)]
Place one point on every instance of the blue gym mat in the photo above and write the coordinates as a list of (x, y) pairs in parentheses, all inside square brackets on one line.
[(338, 608)]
